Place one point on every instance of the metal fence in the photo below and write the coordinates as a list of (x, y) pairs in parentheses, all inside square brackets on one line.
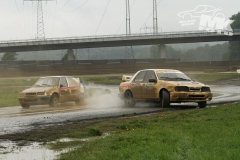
[(17, 64)]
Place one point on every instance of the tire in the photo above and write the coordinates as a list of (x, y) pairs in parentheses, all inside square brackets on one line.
[(202, 104), (54, 100), (128, 99), (25, 106), (165, 99), (80, 99)]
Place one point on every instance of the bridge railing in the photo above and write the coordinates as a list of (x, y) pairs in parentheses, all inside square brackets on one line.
[(18, 64), (110, 37)]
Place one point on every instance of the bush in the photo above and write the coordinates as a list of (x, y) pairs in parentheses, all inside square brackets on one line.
[(94, 132)]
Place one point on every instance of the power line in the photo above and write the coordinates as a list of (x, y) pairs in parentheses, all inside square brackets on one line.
[(63, 6), (102, 17), (79, 7), (17, 6)]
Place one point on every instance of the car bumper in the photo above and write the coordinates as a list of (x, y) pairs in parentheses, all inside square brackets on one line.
[(190, 96), (34, 100)]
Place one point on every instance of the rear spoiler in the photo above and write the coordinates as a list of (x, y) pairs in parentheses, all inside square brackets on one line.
[(126, 78)]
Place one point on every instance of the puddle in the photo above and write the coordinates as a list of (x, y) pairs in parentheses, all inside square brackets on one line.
[(35, 151), (82, 139), (10, 151)]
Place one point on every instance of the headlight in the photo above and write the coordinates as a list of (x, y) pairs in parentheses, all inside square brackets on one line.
[(205, 89), (41, 94), (182, 88)]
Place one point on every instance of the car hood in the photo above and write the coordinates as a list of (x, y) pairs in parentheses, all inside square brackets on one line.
[(37, 89), (187, 83)]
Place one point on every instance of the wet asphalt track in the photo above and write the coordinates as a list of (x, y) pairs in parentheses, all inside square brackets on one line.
[(15, 119)]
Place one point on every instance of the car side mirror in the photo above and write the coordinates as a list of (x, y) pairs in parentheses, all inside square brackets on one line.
[(152, 80), (81, 81), (61, 85)]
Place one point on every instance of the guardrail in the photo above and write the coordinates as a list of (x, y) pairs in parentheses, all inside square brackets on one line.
[(17, 64), (110, 37)]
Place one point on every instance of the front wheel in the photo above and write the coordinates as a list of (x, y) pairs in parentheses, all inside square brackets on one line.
[(128, 99), (165, 99), (54, 100), (202, 104), (25, 106)]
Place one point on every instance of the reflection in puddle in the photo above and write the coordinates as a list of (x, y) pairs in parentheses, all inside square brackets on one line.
[(11, 151)]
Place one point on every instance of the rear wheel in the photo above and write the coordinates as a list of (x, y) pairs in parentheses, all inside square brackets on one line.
[(202, 104), (165, 99), (54, 100), (25, 106), (128, 99)]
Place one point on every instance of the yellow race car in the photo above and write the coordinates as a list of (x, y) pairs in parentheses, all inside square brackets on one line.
[(163, 85)]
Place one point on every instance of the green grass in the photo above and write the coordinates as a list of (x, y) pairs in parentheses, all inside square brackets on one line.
[(211, 133), (17, 82), (213, 77), (9, 96)]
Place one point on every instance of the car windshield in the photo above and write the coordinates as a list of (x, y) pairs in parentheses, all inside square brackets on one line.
[(173, 76), (46, 82)]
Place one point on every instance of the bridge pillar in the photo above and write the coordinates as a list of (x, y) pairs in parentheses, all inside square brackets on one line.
[(162, 51), (70, 54)]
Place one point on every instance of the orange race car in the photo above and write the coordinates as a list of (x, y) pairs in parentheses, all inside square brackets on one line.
[(52, 90), (163, 85)]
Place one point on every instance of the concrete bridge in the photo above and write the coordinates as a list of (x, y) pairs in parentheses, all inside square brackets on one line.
[(117, 40)]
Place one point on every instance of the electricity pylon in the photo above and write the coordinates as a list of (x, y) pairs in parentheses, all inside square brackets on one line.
[(155, 23), (128, 49), (40, 22)]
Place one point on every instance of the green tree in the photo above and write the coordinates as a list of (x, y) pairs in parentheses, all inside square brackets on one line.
[(9, 56), (233, 52)]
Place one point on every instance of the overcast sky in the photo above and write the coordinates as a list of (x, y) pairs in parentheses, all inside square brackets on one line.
[(68, 18)]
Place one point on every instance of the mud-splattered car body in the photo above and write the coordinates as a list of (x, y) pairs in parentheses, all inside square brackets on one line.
[(52, 90), (164, 85)]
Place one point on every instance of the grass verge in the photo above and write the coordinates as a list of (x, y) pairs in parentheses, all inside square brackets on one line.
[(211, 133), (213, 77), (9, 96)]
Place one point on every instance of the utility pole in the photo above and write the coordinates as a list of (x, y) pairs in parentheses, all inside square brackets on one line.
[(40, 22), (128, 49), (155, 23)]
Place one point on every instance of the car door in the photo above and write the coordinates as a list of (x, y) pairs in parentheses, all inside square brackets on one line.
[(136, 85), (64, 93), (74, 88), (149, 88)]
